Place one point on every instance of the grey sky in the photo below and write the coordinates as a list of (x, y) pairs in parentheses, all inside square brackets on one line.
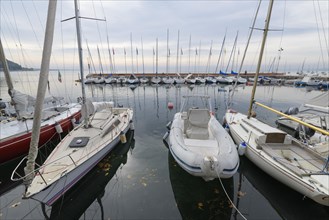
[(304, 39)]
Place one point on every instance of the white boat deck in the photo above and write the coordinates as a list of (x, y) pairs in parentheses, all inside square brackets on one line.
[(296, 158)]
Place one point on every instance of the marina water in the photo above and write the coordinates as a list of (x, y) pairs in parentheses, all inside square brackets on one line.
[(143, 181)]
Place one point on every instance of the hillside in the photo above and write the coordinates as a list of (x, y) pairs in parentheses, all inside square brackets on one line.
[(14, 66)]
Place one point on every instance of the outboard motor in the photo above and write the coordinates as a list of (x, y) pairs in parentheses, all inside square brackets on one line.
[(292, 111)]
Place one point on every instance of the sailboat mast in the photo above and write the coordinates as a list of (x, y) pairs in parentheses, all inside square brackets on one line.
[(42, 87), (78, 26), (131, 50), (7, 76), (267, 23), (177, 53), (6, 69), (143, 56), (167, 51), (220, 53), (156, 61)]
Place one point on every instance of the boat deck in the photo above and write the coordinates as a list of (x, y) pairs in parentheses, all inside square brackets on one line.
[(296, 158)]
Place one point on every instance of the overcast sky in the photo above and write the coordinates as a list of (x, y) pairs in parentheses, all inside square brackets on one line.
[(300, 29)]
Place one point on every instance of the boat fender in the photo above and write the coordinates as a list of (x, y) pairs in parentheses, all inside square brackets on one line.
[(227, 127), (58, 128), (224, 121), (73, 121), (132, 125), (242, 148), (123, 138), (168, 125)]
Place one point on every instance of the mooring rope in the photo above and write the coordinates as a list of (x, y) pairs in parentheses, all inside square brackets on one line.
[(221, 183)]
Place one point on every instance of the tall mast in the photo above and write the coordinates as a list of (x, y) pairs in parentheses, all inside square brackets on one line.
[(143, 55), (78, 27), (132, 55), (177, 54), (6, 69), (167, 52), (189, 55), (267, 23), (220, 53), (7, 75), (156, 61), (42, 87)]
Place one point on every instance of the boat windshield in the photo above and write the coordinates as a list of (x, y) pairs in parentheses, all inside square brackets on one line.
[(196, 101)]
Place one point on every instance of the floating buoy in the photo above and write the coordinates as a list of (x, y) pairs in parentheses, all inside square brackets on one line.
[(132, 126), (170, 105), (123, 138), (58, 128), (242, 148)]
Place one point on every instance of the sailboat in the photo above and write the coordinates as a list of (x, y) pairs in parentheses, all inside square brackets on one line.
[(75, 204), (143, 79), (103, 127), (277, 153), (15, 134), (178, 79), (155, 79), (199, 144), (132, 79), (167, 79)]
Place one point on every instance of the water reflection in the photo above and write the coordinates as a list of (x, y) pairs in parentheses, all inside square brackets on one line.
[(150, 187), (92, 187), (287, 203), (198, 199)]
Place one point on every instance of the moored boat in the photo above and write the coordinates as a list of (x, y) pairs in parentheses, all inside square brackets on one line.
[(200, 145)]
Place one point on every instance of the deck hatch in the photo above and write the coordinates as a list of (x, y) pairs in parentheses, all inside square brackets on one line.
[(79, 142)]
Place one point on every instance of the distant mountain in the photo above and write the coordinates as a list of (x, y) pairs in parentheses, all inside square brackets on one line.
[(14, 66)]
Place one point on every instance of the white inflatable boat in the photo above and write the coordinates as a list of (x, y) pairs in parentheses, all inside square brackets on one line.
[(200, 144)]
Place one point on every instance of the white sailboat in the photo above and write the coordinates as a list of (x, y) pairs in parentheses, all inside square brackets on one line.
[(155, 79), (178, 79), (277, 153), (143, 79), (132, 79), (15, 132), (200, 144), (104, 126)]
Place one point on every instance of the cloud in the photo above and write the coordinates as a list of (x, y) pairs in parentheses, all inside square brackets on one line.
[(304, 24)]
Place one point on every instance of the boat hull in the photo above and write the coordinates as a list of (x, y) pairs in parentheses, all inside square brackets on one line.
[(18, 145), (215, 157), (271, 166), (53, 192), (79, 152)]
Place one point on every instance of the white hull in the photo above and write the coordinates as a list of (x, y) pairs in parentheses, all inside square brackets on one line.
[(211, 80), (168, 80), (179, 80), (224, 80), (51, 115), (208, 152), (144, 80), (67, 163), (273, 158), (156, 80)]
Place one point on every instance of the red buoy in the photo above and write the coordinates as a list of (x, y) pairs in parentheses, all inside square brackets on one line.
[(170, 105)]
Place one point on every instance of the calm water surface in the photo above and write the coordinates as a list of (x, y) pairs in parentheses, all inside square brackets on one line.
[(141, 180)]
